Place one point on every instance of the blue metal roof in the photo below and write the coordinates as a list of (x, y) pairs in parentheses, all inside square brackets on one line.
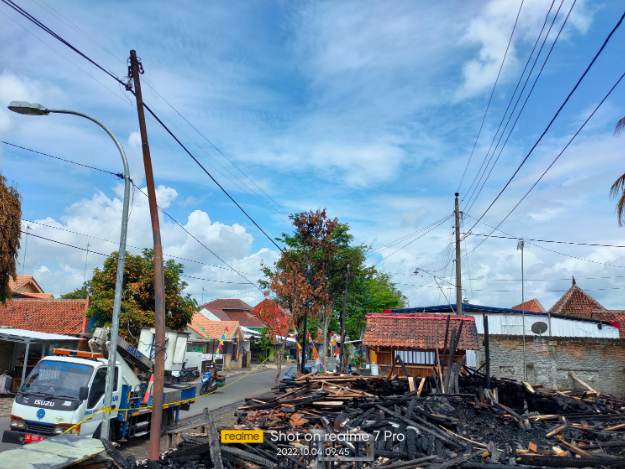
[(467, 308)]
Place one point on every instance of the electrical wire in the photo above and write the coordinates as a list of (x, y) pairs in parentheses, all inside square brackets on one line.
[(551, 241), (138, 188), (605, 43), (526, 99), (418, 237), (20, 10), (414, 233), (491, 95), (527, 62), (555, 159), (551, 250)]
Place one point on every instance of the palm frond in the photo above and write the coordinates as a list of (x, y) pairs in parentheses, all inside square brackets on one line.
[(618, 190), (620, 125)]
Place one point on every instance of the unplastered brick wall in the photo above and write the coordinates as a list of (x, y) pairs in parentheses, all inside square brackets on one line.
[(598, 362)]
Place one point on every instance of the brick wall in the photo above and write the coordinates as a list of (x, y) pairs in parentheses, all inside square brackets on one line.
[(598, 362)]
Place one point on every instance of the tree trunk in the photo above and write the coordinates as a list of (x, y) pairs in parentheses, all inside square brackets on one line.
[(324, 325), (279, 360)]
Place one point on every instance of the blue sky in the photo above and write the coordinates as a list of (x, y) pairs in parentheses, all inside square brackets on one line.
[(369, 109)]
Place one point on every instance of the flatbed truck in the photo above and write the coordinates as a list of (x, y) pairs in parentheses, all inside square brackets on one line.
[(65, 394)]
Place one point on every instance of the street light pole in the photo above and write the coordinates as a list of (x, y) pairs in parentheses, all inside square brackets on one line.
[(21, 107)]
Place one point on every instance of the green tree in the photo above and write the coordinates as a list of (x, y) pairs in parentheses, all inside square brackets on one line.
[(372, 293), (138, 303), (10, 229), (77, 294)]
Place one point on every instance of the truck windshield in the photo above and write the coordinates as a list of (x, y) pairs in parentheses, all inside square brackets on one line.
[(58, 379)]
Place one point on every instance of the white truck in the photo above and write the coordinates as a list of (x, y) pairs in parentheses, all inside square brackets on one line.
[(67, 387)]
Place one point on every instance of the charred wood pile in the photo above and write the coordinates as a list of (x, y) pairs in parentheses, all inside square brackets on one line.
[(362, 422)]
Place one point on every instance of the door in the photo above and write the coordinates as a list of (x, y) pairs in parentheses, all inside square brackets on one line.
[(95, 401)]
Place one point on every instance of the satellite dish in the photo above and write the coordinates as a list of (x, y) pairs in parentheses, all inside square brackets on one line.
[(539, 328)]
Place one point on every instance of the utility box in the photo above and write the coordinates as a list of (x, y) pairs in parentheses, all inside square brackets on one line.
[(175, 347)]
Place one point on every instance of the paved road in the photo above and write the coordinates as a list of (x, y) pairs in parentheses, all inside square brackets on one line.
[(250, 385)]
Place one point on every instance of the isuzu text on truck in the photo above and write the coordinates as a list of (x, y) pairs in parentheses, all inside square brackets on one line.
[(67, 387)]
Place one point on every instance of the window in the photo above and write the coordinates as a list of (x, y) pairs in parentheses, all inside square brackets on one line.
[(97, 388), (416, 358)]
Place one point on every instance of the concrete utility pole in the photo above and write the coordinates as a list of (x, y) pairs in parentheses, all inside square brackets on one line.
[(342, 353), (458, 270), (520, 246), (303, 364), (159, 275)]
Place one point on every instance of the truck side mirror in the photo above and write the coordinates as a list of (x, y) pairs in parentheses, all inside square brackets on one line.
[(83, 393)]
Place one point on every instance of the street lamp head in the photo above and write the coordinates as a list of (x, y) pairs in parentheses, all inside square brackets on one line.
[(29, 109)]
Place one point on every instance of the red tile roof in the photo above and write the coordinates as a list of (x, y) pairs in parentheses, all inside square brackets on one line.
[(214, 329), (531, 305), (227, 304), (576, 302), (612, 316), (51, 315), (418, 332), (38, 296), (22, 280)]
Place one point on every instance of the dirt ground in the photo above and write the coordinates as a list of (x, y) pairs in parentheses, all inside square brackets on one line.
[(5, 406), (224, 418)]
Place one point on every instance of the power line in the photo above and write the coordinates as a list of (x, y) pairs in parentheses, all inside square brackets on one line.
[(418, 237), (128, 245), (108, 255), (80, 31), (550, 241), (491, 96), (519, 97), (126, 86), (118, 175), (550, 250), (605, 43), (56, 36), (556, 158), (414, 233), (138, 188)]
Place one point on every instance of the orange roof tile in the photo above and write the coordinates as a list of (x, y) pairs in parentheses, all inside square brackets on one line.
[(419, 332), (214, 329), (39, 296), (22, 280), (576, 302), (49, 315), (531, 305)]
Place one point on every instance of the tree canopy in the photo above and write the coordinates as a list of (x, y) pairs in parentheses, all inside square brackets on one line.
[(138, 306), (321, 249), (10, 229)]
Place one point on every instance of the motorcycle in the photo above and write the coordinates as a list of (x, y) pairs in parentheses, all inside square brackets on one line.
[(208, 382), (189, 374)]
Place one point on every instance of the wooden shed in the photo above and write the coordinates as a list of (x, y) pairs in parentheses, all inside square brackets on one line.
[(415, 338)]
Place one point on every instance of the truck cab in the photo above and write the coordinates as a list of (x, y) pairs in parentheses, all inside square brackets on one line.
[(60, 392)]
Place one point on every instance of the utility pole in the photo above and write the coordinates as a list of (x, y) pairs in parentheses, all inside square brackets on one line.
[(458, 270), (159, 276), (84, 277), (28, 228), (520, 246), (342, 354)]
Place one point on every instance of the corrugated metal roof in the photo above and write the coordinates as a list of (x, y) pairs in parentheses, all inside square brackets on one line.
[(22, 335), (512, 324)]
